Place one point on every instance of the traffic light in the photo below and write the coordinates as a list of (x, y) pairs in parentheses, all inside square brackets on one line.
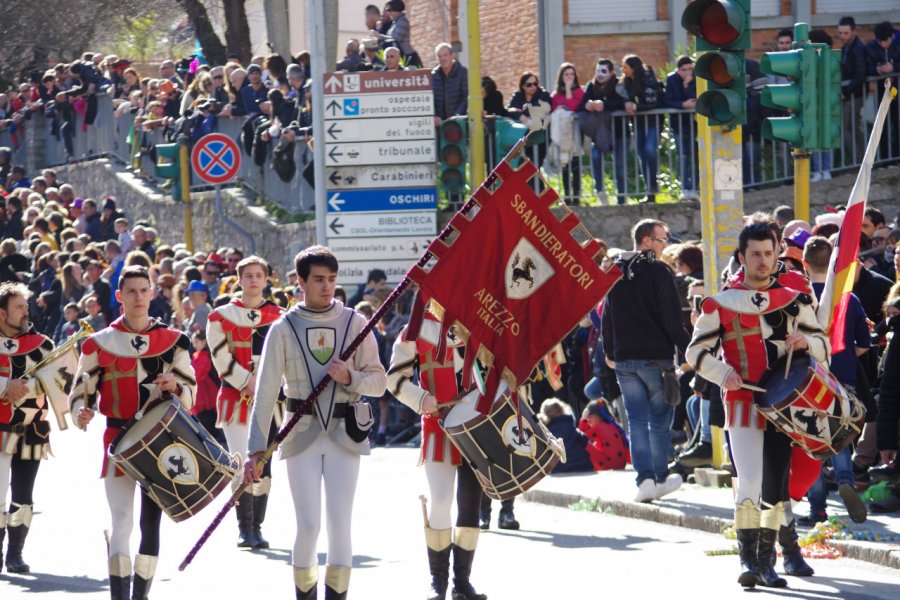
[(800, 97), (506, 133), (829, 98), (453, 154), (722, 29), (170, 168)]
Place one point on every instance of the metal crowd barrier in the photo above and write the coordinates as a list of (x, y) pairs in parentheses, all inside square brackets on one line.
[(624, 173)]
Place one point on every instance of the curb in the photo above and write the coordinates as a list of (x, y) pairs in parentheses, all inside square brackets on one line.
[(879, 554)]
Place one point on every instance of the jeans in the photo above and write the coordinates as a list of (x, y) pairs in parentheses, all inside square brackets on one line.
[(649, 416), (687, 158), (698, 415), (821, 162), (843, 473), (648, 150), (621, 145)]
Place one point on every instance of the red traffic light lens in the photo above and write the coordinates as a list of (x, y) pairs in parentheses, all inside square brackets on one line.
[(715, 26), (452, 131)]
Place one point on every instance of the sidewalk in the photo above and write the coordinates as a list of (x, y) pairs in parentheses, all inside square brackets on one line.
[(705, 508)]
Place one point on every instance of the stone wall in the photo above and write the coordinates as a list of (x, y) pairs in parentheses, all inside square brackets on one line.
[(279, 242), (276, 242)]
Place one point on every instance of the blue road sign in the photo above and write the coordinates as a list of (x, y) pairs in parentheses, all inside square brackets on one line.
[(376, 200)]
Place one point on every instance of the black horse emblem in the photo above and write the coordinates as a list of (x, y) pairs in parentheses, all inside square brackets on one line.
[(523, 272), (253, 315), (523, 435), (180, 468), (810, 421), (137, 343), (9, 344), (758, 300)]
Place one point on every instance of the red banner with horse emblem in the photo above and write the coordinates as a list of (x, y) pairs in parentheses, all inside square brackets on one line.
[(513, 281)]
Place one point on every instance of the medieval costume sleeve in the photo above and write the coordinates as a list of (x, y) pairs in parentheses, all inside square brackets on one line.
[(272, 366), (702, 352), (367, 377), (227, 366), (400, 375)]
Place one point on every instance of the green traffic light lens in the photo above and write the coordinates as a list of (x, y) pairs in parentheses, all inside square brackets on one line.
[(715, 26), (452, 180)]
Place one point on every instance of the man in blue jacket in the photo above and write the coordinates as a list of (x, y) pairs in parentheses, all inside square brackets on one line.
[(681, 93), (450, 84)]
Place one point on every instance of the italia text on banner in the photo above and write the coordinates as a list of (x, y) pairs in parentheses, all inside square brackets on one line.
[(832, 310), (513, 281)]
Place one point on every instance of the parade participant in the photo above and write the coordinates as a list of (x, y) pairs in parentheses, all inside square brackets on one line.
[(235, 334), (325, 446), (443, 463), (756, 321), (129, 364), (24, 430)]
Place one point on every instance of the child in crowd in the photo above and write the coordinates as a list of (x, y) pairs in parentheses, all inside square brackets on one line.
[(557, 416), (607, 443), (126, 244), (68, 326), (204, 409), (95, 317)]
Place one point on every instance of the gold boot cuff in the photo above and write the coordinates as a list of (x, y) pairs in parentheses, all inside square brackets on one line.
[(119, 566), (21, 516), (4, 517), (337, 578), (145, 565), (437, 539), (746, 515), (305, 578), (466, 537), (262, 487), (771, 516)]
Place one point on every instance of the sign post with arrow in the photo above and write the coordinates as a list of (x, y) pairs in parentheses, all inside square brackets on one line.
[(379, 155)]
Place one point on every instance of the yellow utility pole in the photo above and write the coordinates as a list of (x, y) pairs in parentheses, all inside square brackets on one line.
[(185, 172), (801, 184), (475, 103)]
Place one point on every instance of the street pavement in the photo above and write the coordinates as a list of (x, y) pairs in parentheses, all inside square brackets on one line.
[(558, 553)]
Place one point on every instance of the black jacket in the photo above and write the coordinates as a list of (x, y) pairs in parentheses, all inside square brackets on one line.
[(853, 68), (889, 400), (451, 92), (872, 290), (642, 313)]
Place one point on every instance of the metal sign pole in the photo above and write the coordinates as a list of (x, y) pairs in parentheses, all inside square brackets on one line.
[(317, 63)]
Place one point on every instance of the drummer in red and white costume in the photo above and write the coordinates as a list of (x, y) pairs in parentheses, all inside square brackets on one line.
[(235, 334), (443, 464), (755, 322), (132, 362), (24, 429)]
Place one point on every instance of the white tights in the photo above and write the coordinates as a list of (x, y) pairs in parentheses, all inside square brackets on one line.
[(5, 474), (441, 479), (339, 468), (236, 436), (747, 452), (120, 497)]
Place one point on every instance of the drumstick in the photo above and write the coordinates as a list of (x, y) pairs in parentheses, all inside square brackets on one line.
[(345, 355), (424, 501), (790, 355), (755, 388)]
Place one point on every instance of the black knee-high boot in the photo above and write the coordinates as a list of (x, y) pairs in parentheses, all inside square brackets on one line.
[(17, 526), (119, 577), (438, 542), (259, 515), (746, 529), (305, 580), (337, 580), (463, 556), (794, 564), (144, 570), (770, 523), (244, 512)]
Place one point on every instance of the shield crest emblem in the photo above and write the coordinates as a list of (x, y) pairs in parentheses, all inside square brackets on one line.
[(321, 343), (526, 271)]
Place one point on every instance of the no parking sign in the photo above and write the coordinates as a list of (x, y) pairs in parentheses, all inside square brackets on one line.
[(216, 158)]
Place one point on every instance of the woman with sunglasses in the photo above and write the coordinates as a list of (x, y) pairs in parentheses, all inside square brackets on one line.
[(640, 89), (531, 106)]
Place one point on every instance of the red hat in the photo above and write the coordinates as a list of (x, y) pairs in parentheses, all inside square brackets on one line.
[(213, 257)]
